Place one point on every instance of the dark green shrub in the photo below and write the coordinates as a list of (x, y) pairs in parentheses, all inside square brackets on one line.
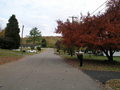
[(23, 51), (39, 48), (32, 47), (7, 43), (44, 43)]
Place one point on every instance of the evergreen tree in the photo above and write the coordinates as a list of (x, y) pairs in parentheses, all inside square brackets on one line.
[(34, 36), (44, 43), (12, 32)]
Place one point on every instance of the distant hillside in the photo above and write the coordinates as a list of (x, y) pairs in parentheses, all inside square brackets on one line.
[(51, 40)]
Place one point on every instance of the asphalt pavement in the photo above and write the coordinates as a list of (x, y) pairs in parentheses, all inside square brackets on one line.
[(102, 76), (45, 71)]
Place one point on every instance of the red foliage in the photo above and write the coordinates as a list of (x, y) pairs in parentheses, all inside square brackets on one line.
[(97, 32), (68, 31)]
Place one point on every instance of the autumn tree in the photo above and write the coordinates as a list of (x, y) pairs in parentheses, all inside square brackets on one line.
[(101, 32), (68, 29), (2, 33), (58, 45), (112, 28)]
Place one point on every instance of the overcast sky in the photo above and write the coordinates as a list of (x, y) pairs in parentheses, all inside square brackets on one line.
[(44, 13)]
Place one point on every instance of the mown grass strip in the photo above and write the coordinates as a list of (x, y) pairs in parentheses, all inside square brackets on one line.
[(10, 55), (92, 62)]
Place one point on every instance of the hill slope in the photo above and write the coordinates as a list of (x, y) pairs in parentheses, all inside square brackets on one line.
[(51, 40)]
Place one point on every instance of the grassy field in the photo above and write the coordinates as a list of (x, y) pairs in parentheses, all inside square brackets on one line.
[(87, 56), (92, 62), (10, 55)]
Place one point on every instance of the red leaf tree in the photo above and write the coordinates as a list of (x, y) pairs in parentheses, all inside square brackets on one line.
[(105, 30), (101, 32), (68, 30)]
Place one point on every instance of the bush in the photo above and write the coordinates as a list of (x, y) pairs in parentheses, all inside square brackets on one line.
[(32, 47), (7, 43), (44, 43), (23, 51), (39, 48)]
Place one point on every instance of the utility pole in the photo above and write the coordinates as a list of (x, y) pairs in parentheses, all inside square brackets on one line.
[(73, 18), (22, 37)]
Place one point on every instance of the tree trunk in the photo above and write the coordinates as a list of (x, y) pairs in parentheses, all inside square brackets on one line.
[(71, 52), (109, 55), (110, 58)]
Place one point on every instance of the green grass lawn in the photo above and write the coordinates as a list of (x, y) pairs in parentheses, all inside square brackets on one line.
[(92, 62), (87, 56), (10, 55)]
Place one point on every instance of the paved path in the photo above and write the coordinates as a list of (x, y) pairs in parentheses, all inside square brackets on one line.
[(102, 76), (45, 71)]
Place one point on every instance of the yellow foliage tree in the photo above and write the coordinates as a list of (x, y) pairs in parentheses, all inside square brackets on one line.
[(2, 33)]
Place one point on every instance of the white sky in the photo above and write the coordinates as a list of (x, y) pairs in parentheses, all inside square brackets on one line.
[(44, 13)]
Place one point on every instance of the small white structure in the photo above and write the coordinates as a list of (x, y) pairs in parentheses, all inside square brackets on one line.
[(16, 49), (79, 52), (31, 51), (115, 54)]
